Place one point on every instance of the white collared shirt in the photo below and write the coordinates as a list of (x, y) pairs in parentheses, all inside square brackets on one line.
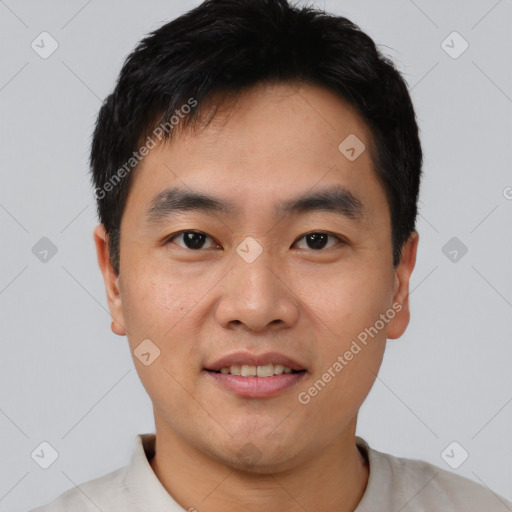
[(394, 484)]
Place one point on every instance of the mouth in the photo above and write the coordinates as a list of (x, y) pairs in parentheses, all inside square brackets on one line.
[(251, 376), (264, 371)]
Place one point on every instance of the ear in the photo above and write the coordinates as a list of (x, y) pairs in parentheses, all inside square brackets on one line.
[(111, 280), (399, 323)]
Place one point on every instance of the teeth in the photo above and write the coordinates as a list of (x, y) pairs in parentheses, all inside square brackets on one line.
[(246, 370), (278, 369), (265, 371)]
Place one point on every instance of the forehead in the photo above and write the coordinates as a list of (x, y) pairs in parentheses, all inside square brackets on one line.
[(271, 142)]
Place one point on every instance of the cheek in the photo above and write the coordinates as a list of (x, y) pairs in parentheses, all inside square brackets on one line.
[(156, 309), (347, 312), (345, 305), (160, 307), (154, 302), (345, 373)]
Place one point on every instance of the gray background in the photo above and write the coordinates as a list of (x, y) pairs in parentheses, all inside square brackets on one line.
[(66, 379)]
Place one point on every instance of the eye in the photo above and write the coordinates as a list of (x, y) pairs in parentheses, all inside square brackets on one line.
[(318, 240), (193, 240), (197, 240)]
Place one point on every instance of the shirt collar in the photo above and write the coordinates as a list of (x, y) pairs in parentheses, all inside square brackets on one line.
[(147, 492), (383, 487)]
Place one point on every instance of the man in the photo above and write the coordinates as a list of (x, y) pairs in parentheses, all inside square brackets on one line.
[(257, 171)]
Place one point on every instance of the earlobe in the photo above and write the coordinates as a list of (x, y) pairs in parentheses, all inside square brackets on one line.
[(110, 279), (403, 272), (117, 328)]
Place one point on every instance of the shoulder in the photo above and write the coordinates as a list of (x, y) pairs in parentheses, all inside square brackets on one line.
[(97, 494), (429, 484), (415, 485)]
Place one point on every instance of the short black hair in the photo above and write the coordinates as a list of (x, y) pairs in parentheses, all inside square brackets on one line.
[(227, 46)]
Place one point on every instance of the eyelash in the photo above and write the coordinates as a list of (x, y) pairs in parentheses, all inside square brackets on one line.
[(173, 236)]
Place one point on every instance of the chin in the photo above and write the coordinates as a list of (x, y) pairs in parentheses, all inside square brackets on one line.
[(259, 454), (257, 462)]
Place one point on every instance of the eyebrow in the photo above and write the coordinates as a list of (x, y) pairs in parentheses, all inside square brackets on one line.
[(336, 199)]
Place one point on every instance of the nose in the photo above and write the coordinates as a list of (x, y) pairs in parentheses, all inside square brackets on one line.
[(257, 296)]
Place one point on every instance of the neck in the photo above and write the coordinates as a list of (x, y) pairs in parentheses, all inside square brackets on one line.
[(335, 479)]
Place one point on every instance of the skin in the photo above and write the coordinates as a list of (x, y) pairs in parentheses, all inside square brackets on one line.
[(275, 142)]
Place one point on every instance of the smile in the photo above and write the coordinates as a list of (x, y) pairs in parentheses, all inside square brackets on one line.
[(248, 383), (246, 370)]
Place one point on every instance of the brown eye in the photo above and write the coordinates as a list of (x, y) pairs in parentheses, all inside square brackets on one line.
[(318, 240), (194, 240)]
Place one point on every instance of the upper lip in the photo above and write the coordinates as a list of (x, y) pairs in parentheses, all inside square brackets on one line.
[(240, 358)]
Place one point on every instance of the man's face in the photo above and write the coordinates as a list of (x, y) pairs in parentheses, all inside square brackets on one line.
[(301, 284)]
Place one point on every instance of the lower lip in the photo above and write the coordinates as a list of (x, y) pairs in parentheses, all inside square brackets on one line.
[(257, 387)]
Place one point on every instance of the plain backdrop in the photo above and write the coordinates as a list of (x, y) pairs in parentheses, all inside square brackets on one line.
[(65, 379)]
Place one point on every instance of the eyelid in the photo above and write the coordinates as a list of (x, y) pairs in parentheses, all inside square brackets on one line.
[(341, 240), (168, 239)]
